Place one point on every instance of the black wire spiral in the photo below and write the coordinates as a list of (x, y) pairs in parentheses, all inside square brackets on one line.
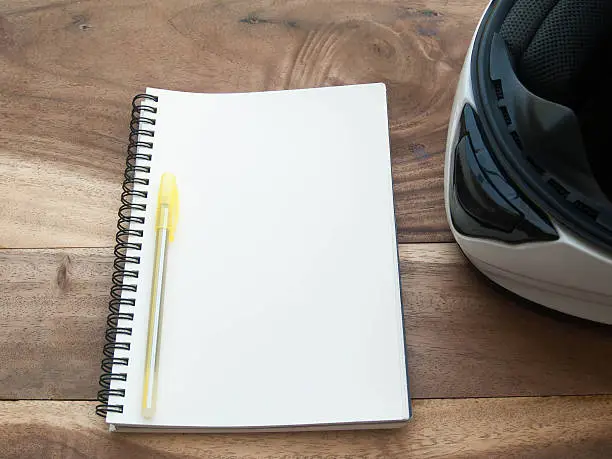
[(141, 126)]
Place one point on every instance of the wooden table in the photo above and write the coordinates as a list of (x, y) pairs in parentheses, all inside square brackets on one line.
[(491, 376)]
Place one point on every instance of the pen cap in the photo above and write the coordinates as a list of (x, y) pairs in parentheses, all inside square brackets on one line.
[(168, 197)]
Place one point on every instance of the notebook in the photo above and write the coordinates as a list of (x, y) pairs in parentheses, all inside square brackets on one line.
[(282, 303)]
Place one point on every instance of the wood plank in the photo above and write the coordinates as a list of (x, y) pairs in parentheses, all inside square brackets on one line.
[(474, 428), (71, 68), (464, 339), (53, 306)]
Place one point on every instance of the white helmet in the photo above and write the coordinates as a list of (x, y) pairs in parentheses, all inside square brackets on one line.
[(527, 187)]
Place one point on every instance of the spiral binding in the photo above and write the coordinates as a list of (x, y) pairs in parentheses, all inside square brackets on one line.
[(141, 126)]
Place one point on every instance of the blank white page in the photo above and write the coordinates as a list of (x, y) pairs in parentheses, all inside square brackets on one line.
[(283, 303)]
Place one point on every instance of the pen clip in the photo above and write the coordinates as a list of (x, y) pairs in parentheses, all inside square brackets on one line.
[(168, 197)]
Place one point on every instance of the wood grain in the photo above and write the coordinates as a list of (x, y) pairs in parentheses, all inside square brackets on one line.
[(70, 69), (468, 340), (556, 428), (52, 318), (464, 339)]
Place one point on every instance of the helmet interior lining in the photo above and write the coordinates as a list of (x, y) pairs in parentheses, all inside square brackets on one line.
[(560, 50)]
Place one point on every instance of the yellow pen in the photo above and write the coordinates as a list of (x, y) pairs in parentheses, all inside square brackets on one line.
[(165, 224)]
